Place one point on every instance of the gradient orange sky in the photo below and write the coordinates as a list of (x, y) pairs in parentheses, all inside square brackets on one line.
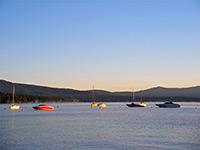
[(113, 45)]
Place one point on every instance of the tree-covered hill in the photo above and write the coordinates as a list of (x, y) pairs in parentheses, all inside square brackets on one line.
[(32, 93)]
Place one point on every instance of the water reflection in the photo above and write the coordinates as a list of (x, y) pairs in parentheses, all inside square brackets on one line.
[(77, 126)]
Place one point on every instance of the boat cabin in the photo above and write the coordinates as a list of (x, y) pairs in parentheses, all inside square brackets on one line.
[(169, 102)]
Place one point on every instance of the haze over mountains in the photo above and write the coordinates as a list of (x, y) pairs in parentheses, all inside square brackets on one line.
[(6, 87)]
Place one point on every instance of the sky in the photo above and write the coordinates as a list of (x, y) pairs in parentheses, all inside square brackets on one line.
[(115, 45)]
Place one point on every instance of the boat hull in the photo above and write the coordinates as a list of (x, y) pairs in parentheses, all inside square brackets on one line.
[(136, 105), (14, 107), (43, 107), (168, 105), (93, 105), (102, 105)]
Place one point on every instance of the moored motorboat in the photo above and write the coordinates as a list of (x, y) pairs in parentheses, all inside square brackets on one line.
[(101, 105), (168, 104), (43, 107)]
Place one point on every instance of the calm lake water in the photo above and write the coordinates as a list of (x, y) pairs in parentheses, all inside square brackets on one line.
[(79, 127)]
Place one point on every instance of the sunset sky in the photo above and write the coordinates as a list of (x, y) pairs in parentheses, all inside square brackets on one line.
[(115, 45)]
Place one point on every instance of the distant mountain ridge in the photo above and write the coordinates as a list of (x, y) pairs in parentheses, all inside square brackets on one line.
[(173, 92), (6, 87), (27, 89)]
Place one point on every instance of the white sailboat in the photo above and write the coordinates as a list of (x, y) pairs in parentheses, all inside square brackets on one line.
[(93, 99), (13, 106)]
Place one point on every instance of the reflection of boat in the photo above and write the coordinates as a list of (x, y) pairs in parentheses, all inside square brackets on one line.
[(93, 99), (13, 106), (168, 104), (43, 107), (141, 104), (101, 105)]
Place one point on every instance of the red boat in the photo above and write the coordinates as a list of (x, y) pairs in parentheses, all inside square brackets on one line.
[(43, 107)]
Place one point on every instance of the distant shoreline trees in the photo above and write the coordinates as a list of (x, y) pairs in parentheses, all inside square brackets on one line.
[(6, 98)]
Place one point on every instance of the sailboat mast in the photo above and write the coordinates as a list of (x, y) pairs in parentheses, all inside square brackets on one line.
[(133, 95), (93, 94), (141, 95), (13, 94)]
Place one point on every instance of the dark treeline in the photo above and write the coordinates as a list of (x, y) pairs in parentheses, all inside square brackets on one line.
[(6, 98)]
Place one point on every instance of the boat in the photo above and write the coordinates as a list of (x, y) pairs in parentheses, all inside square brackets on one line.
[(168, 104), (43, 107), (133, 104), (93, 99), (93, 104), (136, 105), (13, 106), (100, 105)]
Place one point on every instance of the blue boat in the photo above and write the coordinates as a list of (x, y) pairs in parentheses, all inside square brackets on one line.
[(141, 104), (168, 104)]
